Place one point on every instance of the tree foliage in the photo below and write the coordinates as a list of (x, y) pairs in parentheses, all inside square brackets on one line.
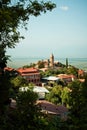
[(55, 95), (65, 96), (78, 107), (25, 116), (4, 92), (18, 81), (13, 15), (72, 70), (40, 64), (66, 62)]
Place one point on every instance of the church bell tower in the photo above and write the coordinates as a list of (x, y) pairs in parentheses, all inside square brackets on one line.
[(52, 60)]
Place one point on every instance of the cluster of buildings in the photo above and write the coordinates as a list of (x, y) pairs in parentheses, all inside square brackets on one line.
[(32, 75), (50, 62)]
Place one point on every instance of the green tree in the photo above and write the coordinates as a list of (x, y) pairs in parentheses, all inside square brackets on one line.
[(78, 107), (25, 116), (66, 62), (65, 96), (18, 81), (72, 70), (55, 95), (27, 109), (4, 92), (55, 123), (40, 64), (28, 66), (83, 105), (13, 16)]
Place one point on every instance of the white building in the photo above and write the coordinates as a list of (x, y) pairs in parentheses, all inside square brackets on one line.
[(41, 91)]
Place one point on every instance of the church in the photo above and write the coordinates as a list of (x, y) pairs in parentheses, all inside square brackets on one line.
[(49, 63)]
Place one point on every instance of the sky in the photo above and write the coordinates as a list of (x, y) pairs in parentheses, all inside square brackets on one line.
[(63, 32)]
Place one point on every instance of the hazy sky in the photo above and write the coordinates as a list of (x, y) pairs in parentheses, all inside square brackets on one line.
[(62, 32)]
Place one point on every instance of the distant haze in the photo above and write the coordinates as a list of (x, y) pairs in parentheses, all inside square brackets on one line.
[(20, 62)]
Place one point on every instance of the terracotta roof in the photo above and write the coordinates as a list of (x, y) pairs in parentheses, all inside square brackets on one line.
[(52, 108), (28, 70), (27, 74), (8, 69), (64, 76), (80, 72)]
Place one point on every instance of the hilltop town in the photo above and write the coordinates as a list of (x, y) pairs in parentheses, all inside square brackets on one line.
[(44, 75), (48, 69), (46, 84), (46, 95)]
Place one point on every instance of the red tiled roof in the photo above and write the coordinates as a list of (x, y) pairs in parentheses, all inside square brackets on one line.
[(80, 72), (64, 76), (8, 69), (27, 74), (27, 70)]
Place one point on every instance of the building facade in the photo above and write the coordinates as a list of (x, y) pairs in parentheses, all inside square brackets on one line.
[(32, 75)]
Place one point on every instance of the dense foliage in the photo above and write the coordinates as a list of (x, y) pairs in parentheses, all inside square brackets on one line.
[(78, 106), (13, 16)]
